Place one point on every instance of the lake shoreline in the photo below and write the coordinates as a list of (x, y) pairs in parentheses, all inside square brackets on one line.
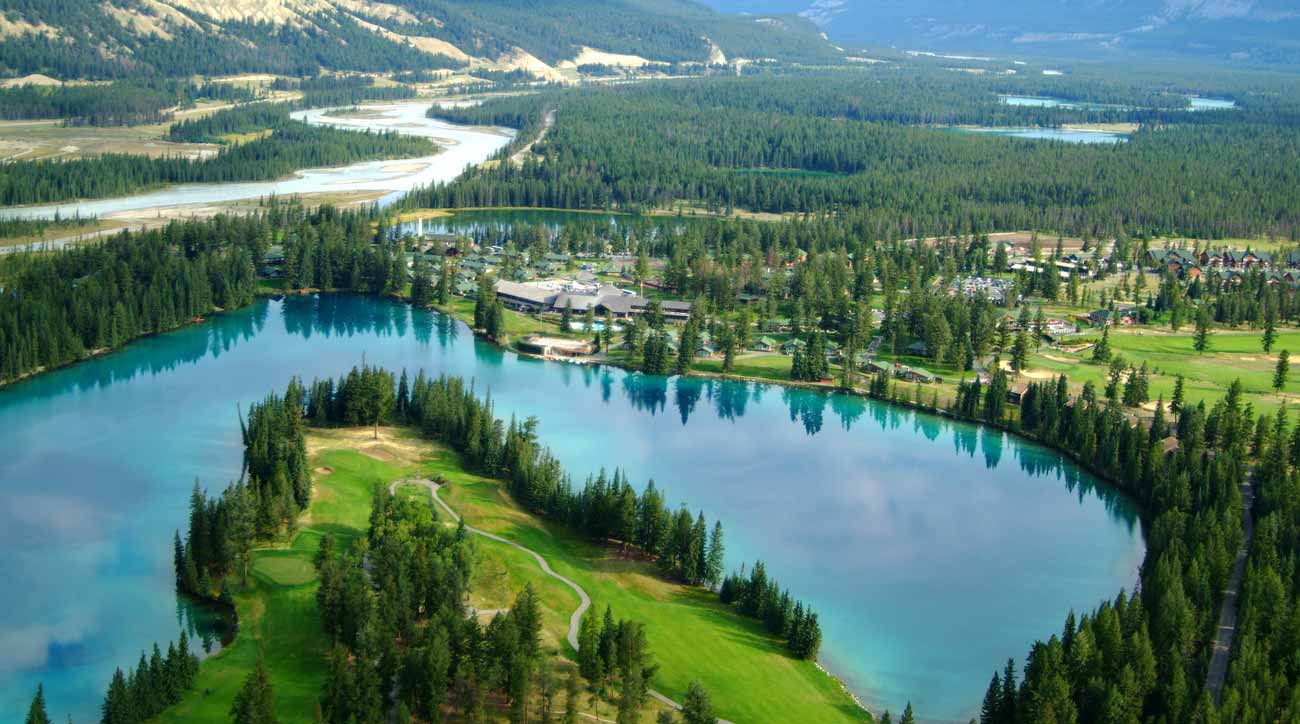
[(825, 389)]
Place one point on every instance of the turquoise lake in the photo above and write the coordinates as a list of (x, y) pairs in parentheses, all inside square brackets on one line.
[(932, 550)]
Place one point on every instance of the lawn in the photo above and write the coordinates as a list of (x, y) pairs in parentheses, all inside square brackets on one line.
[(692, 635), (277, 612), (764, 366), (517, 323), (1231, 356)]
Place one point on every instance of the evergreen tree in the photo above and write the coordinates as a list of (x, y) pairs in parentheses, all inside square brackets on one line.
[(991, 709), (655, 358), (254, 703), (716, 557), (117, 707), (36, 714), (1282, 371), (483, 301), (1009, 701), (572, 690), (688, 344), (995, 400), (1101, 351), (1020, 352), (241, 526), (422, 290), (444, 282), (1176, 402), (1201, 339), (566, 317), (1270, 332), (698, 707)]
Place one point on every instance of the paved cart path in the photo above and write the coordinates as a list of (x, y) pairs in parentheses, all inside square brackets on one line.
[(585, 601)]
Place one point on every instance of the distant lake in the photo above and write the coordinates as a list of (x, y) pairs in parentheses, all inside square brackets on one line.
[(1194, 103), (933, 550), (1050, 134), (1211, 104), (1048, 102)]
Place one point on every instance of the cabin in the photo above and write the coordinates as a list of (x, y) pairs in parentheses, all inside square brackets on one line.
[(477, 265), (1181, 263), (1242, 260), (1057, 329), (918, 375), (877, 367), (1101, 317), (1169, 445), (1066, 268), (465, 288), (1016, 392), (793, 344), (765, 344)]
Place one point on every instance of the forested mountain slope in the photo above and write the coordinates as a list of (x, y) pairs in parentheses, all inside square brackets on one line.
[(117, 38)]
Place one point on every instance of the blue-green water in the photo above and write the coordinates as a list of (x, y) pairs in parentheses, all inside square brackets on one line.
[(1050, 134), (1049, 102), (932, 550), (1211, 104), (1194, 103)]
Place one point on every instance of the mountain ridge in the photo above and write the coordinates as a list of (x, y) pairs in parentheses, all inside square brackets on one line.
[(1240, 31), (116, 38)]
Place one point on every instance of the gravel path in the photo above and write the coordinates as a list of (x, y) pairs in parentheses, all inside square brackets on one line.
[(585, 604), (574, 620), (548, 120), (1228, 614)]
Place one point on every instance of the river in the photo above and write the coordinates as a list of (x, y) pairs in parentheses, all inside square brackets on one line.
[(462, 146), (933, 550)]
